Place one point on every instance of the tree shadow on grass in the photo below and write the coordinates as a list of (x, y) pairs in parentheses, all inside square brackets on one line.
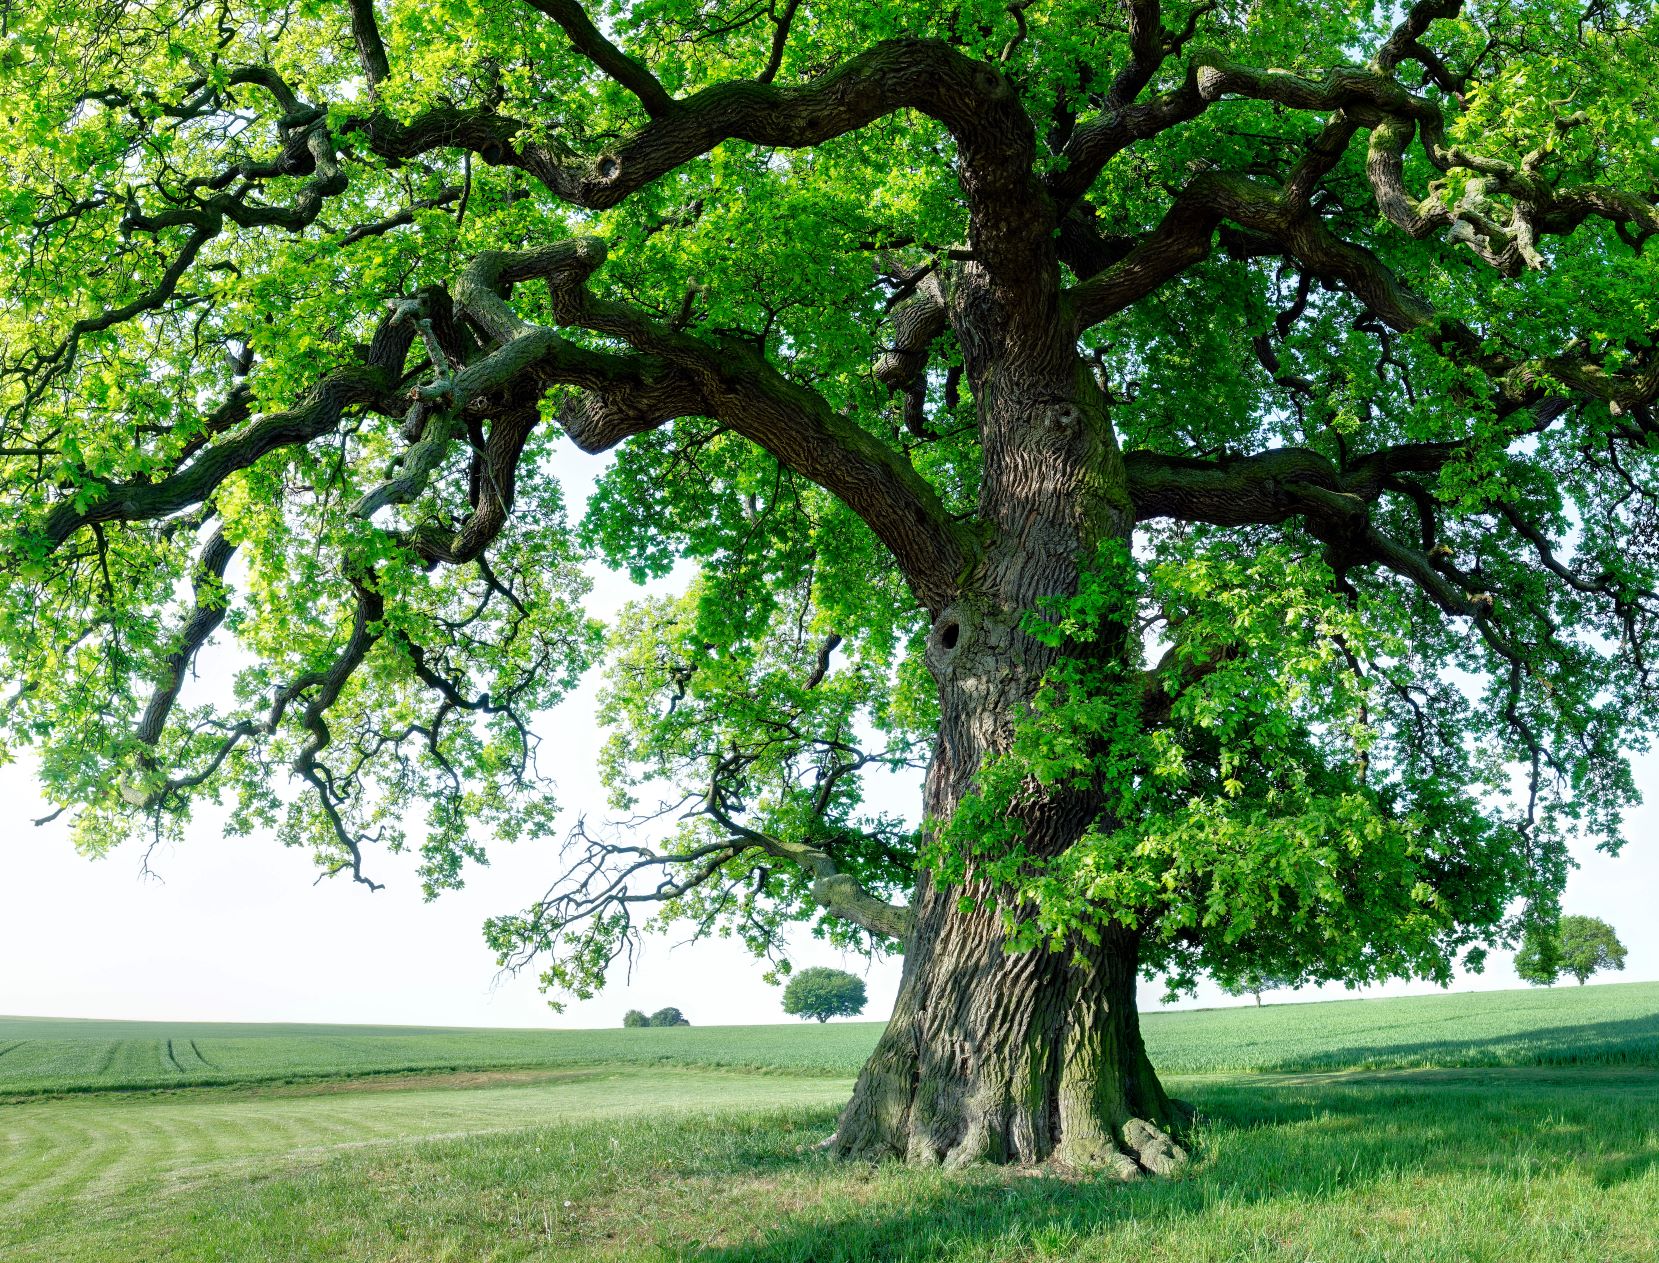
[(1317, 1146), (1626, 1042)]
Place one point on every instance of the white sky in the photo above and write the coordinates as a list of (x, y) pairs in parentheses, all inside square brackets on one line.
[(236, 931)]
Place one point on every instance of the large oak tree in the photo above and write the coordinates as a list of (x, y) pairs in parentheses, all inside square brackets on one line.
[(1215, 441)]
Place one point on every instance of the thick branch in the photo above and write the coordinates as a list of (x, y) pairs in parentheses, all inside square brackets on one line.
[(836, 892), (365, 32), (592, 44), (146, 501), (972, 99), (205, 618), (209, 466), (1274, 486), (1182, 239), (678, 375)]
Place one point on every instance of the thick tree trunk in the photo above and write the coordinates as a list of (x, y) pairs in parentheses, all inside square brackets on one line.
[(1029, 1057), (992, 1056)]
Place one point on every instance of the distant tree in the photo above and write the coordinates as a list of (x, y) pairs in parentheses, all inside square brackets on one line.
[(823, 994), (1255, 983), (1587, 946), (1580, 946), (1539, 960), (668, 1017), (633, 1017)]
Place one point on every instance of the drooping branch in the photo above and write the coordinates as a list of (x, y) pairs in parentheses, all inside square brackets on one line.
[(196, 480), (589, 911), (205, 618), (838, 893), (369, 610)]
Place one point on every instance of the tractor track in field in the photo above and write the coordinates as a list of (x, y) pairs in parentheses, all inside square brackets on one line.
[(172, 1058), (210, 1065)]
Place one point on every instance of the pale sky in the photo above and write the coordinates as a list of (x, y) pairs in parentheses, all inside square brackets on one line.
[(235, 930)]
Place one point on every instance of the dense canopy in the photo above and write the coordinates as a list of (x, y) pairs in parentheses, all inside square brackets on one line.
[(1215, 440)]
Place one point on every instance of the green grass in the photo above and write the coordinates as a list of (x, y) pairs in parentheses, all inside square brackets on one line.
[(57, 1152), (52, 1055), (1401, 1167), (1603, 1025), (1615, 1025), (638, 1145)]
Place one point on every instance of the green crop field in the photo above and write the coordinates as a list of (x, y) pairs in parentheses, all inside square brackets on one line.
[(1606, 1025), (44, 1055), (1492, 1126)]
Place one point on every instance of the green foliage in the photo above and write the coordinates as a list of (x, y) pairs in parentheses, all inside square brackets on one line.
[(669, 1016), (1346, 781), (1580, 946), (823, 993), (1588, 945), (1276, 825), (634, 1018), (1538, 959)]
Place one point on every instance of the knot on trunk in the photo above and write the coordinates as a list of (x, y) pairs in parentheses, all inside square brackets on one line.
[(951, 633), (1061, 420)]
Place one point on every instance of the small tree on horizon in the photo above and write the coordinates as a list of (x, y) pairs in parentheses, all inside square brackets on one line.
[(633, 1018), (1588, 945), (668, 1017), (1255, 984), (824, 993), (1580, 946)]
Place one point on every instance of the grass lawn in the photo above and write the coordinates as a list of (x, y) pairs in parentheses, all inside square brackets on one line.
[(1500, 1165), (1544, 1145)]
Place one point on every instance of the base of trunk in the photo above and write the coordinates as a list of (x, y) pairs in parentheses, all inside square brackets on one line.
[(1140, 1149), (1127, 1150), (1032, 1058)]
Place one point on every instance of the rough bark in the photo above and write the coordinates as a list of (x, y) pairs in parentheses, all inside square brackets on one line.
[(993, 1056), (990, 1055)]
